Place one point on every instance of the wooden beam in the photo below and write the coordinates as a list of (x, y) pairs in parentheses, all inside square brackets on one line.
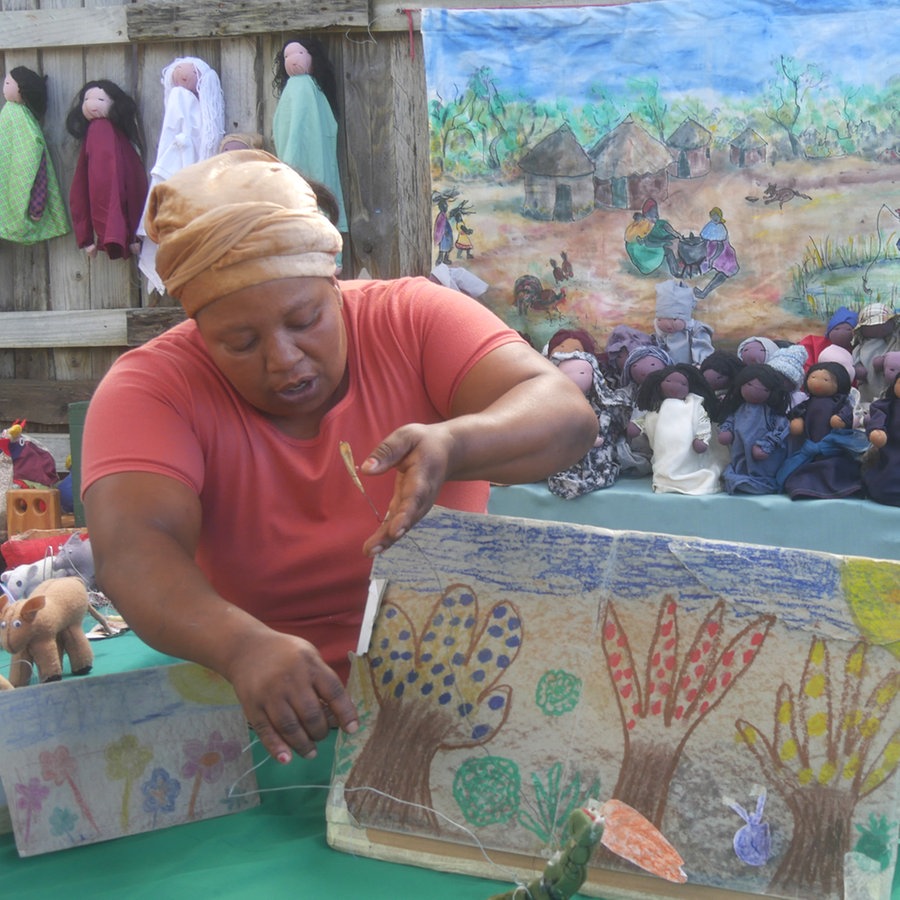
[(41, 402), (143, 324), (167, 20), (62, 28), (64, 328)]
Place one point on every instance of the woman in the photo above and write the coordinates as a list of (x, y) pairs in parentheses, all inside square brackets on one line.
[(225, 526)]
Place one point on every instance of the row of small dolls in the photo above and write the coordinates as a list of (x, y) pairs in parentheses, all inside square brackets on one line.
[(110, 187), (748, 421)]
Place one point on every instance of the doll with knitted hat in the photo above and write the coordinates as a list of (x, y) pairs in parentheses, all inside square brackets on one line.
[(877, 332), (192, 127), (825, 449), (838, 330), (599, 467), (31, 206), (755, 429), (684, 338), (676, 409), (789, 363)]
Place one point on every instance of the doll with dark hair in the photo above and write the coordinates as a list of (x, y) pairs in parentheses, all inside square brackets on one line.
[(676, 408), (599, 467), (305, 123), (881, 465), (31, 206), (754, 427), (720, 369), (825, 451), (109, 186), (568, 340)]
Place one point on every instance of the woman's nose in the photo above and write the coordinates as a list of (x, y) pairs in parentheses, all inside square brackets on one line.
[(282, 352)]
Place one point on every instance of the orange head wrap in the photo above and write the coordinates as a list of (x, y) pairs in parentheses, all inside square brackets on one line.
[(234, 220)]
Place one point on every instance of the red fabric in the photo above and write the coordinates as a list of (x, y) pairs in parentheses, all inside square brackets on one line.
[(21, 551), (108, 190), (283, 522)]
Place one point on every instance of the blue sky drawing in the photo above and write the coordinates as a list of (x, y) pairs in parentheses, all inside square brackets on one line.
[(689, 46)]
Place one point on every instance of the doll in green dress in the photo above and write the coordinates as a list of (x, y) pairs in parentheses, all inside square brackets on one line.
[(31, 206)]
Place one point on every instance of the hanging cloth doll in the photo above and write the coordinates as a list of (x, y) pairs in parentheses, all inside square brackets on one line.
[(304, 127), (31, 206), (599, 467), (192, 127), (109, 186)]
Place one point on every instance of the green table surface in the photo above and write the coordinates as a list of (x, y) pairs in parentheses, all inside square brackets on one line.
[(276, 850)]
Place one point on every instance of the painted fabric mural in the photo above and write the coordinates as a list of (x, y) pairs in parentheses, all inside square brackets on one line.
[(590, 154), (758, 731)]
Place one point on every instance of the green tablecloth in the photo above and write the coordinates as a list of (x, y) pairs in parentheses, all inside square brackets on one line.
[(277, 850)]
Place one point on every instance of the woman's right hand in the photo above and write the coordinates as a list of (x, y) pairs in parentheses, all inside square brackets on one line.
[(290, 697)]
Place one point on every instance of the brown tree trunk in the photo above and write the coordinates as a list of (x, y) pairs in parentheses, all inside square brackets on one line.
[(381, 777), (644, 778), (813, 865)]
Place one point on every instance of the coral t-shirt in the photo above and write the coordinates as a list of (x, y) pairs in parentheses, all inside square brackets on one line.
[(283, 524)]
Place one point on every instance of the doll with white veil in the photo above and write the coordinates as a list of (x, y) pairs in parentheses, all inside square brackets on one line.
[(192, 127)]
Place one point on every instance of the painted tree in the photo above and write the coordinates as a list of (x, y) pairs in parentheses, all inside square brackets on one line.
[(436, 689), (788, 94), (827, 751), (662, 702)]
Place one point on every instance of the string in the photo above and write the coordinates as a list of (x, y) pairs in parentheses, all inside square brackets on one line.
[(508, 875)]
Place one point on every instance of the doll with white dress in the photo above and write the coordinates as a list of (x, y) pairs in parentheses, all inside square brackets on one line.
[(192, 127), (755, 430), (305, 126), (109, 186), (677, 406), (31, 206)]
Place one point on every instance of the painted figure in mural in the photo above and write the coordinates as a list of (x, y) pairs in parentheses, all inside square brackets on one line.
[(31, 206), (649, 241), (443, 229), (463, 232), (721, 259)]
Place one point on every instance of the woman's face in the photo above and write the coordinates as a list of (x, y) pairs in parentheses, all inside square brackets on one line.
[(283, 347), (297, 60), (11, 90), (96, 104)]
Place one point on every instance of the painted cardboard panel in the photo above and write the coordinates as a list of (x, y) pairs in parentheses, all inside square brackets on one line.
[(743, 698), (86, 760)]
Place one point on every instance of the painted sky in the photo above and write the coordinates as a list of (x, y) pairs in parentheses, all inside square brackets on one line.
[(682, 44)]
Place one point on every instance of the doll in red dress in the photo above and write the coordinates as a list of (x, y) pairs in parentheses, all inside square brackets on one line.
[(109, 186)]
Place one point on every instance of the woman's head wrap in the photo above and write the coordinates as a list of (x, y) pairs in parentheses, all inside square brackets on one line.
[(235, 220)]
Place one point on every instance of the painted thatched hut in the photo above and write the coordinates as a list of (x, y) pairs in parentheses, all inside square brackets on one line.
[(558, 178), (689, 143), (630, 166), (747, 149)]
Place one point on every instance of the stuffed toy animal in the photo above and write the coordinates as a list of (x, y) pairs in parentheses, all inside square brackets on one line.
[(22, 580), (31, 206), (37, 631), (75, 558)]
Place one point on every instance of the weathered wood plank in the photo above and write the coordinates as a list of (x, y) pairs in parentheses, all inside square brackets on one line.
[(231, 18), (41, 402), (63, 28), (144, 324), (66, 328)]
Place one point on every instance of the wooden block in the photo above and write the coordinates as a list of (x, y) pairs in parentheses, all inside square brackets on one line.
[(32, 508)]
